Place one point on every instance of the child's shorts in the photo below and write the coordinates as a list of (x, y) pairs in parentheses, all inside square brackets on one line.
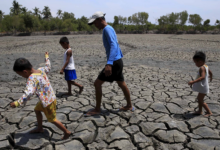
[(70, 75), (49, 111)]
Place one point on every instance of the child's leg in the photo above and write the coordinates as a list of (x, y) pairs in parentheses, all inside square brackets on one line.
[(208, 111), (50, 112), (200, 98), (39, 121), (69, 88), (78, 85), (201, 103), (63, 128)]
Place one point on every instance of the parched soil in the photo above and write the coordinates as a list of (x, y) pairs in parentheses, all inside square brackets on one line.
[(157, 69)]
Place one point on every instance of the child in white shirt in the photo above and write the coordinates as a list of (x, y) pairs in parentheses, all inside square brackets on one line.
[(69, 67), (201, 83)]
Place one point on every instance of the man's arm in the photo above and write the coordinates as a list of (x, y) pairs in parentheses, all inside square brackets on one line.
[(109, 34), (29, 91), (69, 54)]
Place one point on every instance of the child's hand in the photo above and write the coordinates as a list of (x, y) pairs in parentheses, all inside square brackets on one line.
[(61, 71), (46, 53), (12, 105), (190, 83)]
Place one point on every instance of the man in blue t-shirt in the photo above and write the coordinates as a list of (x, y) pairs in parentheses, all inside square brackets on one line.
[(114, 66)]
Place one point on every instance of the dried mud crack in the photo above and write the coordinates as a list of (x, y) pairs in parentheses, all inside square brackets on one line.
[(156, 70)]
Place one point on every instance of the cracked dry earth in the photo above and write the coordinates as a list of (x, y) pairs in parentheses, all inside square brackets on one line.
[(156, 69)]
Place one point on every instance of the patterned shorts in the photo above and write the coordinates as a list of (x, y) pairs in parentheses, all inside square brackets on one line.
[(49, 111)]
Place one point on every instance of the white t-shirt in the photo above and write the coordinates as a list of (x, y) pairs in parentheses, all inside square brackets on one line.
[(71, 65), (202, 86)]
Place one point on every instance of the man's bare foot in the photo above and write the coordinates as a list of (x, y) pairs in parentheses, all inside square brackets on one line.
[(126, 108), (67, 94), (197, 113), (37, 130), (81, 89), (66, 136), (92, 112)]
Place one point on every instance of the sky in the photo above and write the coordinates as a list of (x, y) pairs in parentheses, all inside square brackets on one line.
[(207, 9)]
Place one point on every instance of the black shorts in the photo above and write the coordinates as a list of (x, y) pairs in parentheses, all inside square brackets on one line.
[(116, 75)]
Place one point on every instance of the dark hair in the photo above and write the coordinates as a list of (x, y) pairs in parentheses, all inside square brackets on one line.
[(103, 18), (64, 40), (199, 55), (22, 64)]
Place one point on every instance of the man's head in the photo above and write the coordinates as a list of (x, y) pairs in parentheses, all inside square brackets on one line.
[(199, 58), (22, 67), (64, 42), (98, 19)]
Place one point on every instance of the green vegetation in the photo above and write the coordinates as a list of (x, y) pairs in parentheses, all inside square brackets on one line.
[(217, 23), (21, 19)]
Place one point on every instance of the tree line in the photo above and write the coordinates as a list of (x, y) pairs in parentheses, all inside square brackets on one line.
[(170, 23), (21, 19)]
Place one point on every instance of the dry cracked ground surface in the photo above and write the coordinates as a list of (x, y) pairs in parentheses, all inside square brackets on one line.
[(156, 69)]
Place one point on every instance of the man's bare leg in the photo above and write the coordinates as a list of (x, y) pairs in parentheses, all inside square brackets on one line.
[(126, 92), (98, 92)]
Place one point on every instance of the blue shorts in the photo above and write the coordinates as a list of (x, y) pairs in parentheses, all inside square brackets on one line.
[(70, 75)]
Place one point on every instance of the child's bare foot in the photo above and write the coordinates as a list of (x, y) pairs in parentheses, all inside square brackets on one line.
[(197, 113), (37, 130), (208, 114), (81, 89), (66, 136)]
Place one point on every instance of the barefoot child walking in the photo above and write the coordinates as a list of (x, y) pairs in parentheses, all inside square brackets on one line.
[(69, 66), (39, 84), (201, 84)]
